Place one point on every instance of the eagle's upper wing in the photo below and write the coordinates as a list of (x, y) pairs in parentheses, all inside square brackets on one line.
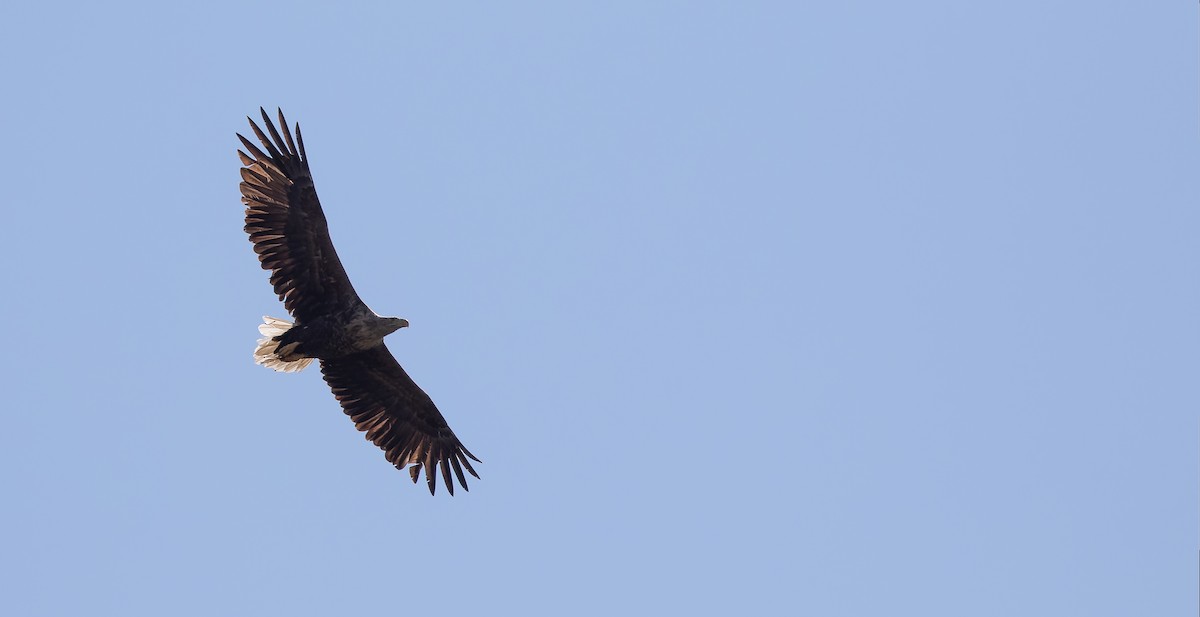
[(286, 224), (397, 415)]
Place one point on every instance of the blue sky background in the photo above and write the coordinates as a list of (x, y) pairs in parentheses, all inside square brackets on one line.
[(856, 308)]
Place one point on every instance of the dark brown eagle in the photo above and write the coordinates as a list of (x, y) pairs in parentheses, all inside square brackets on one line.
[(290, 235)]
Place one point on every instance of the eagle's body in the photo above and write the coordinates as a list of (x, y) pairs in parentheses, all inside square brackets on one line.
[(333, 325), (336, 335)]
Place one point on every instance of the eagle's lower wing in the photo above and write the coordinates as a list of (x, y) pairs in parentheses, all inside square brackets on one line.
[(397, 415), (286, 224)]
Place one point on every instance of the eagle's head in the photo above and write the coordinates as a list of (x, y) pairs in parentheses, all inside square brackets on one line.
[(394, 323)]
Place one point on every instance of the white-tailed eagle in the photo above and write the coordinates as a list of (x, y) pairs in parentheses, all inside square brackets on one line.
[(290, 235)]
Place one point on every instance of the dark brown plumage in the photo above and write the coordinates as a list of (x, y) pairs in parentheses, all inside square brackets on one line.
[(333, 325)]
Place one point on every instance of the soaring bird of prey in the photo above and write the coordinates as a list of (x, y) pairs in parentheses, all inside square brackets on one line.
[(290, 235)]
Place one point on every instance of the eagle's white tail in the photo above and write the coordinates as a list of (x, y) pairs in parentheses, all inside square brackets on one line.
[(267, 352)]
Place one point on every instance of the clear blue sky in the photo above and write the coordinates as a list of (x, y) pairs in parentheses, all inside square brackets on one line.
[(859, 308)]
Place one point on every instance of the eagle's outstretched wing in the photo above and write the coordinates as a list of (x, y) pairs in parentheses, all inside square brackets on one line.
[(397, 416), (288, 228)]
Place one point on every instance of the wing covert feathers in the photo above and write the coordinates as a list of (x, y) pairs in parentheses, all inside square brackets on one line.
[(287, 226), (398, 416)]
